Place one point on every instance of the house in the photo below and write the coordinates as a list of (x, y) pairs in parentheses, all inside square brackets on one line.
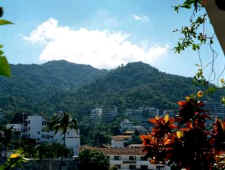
[(126, 125), (120, 141), (16, 127), (128, 158)]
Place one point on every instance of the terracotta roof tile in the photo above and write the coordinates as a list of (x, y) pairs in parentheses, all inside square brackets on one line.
[(116, 151), (121, 137)]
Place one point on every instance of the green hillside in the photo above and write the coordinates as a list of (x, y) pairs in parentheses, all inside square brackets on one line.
[(60, 85), (131, 86), (31, 85)]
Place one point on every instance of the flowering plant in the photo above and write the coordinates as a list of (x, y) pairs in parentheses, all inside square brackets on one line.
[(187, 140)]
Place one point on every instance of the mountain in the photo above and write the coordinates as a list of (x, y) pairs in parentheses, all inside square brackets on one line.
[(32, 84), (131, 86), (76, 88)]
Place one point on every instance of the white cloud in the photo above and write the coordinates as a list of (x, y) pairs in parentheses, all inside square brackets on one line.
[(141, 18), (101, 49)]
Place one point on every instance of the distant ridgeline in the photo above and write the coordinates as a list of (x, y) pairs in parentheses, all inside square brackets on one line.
[(76, 88)]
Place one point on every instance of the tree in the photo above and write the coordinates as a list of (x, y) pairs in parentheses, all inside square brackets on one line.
[(62, 122), (92, 159), (6, 136), (54, 150), (191, 140)]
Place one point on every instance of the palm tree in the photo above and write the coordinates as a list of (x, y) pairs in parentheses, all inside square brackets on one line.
[(62, 122)]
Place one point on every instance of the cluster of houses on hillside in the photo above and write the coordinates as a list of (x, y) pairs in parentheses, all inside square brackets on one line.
[(121, 154), (108, 114), (141, 113)]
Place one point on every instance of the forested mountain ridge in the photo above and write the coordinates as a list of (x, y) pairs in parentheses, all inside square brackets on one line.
[(131, 86), (33, 84), (76, 88)]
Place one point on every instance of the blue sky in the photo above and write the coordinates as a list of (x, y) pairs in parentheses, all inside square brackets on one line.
[(102, 33)]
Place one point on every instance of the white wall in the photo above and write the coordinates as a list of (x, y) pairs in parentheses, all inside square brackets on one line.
[(16, 127), (124, 162), (117, 144), (35, 127)]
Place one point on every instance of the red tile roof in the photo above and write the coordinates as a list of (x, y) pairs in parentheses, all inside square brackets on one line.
[(116, 151), (121, 137)]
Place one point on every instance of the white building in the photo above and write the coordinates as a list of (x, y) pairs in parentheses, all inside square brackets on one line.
[(35, 127), (96, 113), (119, 141), (126, 125), (16, 127), (128, 159), (72, 140)]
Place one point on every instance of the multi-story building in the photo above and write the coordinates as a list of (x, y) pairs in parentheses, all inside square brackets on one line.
[(96, 113), (35, 127), (128, 158), (109, 114)]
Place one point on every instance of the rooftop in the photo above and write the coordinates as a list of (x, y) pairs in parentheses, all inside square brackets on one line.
[(121, 137), (116, 151)]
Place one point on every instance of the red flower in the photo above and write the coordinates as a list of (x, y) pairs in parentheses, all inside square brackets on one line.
[(182, 103)]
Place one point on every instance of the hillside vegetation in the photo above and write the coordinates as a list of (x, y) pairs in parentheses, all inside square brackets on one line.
[(76, 88)]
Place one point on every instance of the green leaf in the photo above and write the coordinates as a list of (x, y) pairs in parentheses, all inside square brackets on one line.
[(5, 22), (1, 52), (4, 67)]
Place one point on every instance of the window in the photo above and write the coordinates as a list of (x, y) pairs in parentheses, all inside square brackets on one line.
[(132, 158), (144, 167), (116, 157), (132, 166), (44, 123)]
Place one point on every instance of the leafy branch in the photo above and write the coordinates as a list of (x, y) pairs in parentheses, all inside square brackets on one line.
[(4, 65)]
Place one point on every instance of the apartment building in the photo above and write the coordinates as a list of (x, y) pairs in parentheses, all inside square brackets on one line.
[(34, 126)]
